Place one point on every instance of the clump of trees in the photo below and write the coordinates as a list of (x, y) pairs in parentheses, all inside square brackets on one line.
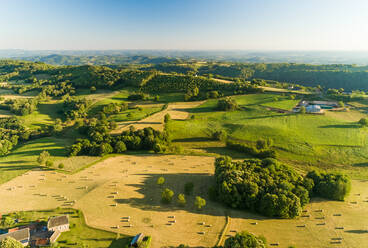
[(332, 186), (74, 107), (138, 96), (227, 104), (100, 142), (115, 108), (262, 148), (363, 122), (271, 188), (10, 242), (245, 240), (21, 106)]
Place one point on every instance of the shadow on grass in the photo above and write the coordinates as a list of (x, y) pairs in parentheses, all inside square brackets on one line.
[(365, 164), (341, 126), (357, 231), (151, 195), (18, 167)]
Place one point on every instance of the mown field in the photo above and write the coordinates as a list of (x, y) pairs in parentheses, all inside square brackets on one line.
[(330, 141), (122, 186)]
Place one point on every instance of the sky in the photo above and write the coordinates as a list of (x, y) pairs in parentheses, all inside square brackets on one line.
[(184, 24)]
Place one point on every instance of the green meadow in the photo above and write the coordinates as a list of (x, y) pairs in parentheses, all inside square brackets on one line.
[(313, 140)]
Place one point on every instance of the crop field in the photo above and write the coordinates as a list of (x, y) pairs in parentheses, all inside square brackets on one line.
[(120, 194)]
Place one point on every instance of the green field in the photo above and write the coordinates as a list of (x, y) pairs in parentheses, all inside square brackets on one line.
[(45, 115), (320, 140), (80, 235)]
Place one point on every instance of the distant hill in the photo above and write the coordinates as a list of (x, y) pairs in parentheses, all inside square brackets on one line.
[(57, 59)]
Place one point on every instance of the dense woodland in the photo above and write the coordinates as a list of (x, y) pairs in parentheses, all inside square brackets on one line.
[(273, 189)]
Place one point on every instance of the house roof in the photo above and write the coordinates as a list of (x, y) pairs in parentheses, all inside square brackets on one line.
[(19, 235), (55, 235), (57, 221)]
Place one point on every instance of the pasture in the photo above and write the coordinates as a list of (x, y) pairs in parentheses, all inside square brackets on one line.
[(330, 140), (120, 194)]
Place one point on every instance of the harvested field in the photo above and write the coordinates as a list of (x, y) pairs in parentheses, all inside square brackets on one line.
[(122, 192)]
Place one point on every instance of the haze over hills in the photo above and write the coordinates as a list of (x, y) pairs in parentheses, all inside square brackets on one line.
[(99, 57)]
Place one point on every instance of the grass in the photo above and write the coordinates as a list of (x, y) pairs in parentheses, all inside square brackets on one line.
[(80, 235), (45, 115), (327, 140), (24, 157), (135, 114)]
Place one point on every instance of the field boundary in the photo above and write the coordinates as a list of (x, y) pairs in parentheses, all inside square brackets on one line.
[(224, 231)]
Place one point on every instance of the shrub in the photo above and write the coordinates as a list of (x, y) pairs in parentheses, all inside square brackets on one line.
[(245, 240), (303, 110), (92, 89), (43, 157), (181, 200), (251, 149), (199, 202), (363, 121), (49, 163), (188, 188), (167, 195), (160, 181)]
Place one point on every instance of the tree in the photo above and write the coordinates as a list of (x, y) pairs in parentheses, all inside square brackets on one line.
[(245, 240), (188, 188), (167, 195), (303, 110), (160, 181), (167, 118), (181, 200), (227, 104), (7, 221), (10, 242), (61, 166), (363, 121), (93, 89), (120, 147), (341, 104), (43, 157), (199, 202)]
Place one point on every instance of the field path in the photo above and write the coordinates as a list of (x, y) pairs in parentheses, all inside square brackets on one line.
[(224, 231), (178, 111)]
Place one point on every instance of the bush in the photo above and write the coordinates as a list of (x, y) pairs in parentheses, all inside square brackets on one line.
[(167, 195), (188, 188), (245, 240), (181, 200), (167, 118), (363, 122), (61, 166), (251, 149), (199, 202), (227, 104), (49, 163), (92, 89)]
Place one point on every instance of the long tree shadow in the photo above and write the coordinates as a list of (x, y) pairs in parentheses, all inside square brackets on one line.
[(353, 125), (152, 195)]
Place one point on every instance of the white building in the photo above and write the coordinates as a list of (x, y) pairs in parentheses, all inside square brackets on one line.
[(313, 109)]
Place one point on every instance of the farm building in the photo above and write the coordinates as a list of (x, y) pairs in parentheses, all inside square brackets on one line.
[(136, 240), (21, 235), (58, 223), (314, 109)]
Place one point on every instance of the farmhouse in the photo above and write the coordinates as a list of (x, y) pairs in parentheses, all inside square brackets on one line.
[(58, 223), (21, 235)]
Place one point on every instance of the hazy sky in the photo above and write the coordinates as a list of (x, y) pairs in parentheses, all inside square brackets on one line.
[(184, 24)]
